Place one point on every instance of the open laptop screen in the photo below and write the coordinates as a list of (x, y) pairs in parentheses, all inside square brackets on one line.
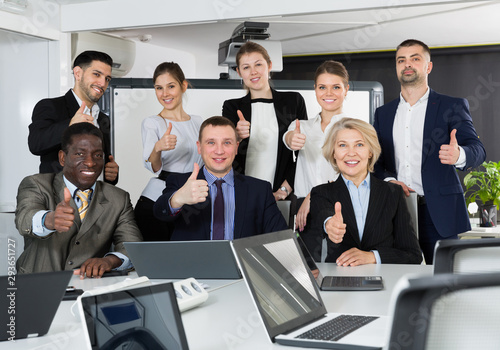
[(141, 318), (282, 285)]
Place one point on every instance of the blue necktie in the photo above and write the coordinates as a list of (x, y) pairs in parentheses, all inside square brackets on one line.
[(218, 224)]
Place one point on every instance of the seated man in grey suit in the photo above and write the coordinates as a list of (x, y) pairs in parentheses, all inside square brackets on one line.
[(69, 220), (217, 203)]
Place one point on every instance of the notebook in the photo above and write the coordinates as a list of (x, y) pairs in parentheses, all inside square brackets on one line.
[(144, 317), (288, 300), (30, 302), (184, 259), (339, 283)]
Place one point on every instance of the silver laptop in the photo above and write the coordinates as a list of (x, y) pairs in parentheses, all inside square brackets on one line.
[(339, 283), (29, 303), (288, 300), (146, 317), (184, 259)]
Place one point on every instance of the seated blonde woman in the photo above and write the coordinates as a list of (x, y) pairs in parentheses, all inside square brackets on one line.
[(366, 219)]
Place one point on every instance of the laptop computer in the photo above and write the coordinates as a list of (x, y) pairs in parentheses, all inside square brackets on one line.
[(184, 259), (339, 283), (288, 300), (30, 302), (144, 317)]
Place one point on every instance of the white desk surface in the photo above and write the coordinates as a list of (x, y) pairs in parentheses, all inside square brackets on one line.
[(228, 319)]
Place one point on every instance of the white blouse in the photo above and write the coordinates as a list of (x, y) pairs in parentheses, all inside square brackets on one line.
[(178, 160), (262, 151), (312, 168)]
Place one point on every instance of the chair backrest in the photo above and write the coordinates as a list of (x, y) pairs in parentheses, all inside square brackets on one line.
[(467, 256), (284, 207), (411, 203), (448, 311)]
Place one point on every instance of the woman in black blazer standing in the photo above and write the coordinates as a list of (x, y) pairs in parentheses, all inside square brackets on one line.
[(365, 219), (262, 117)]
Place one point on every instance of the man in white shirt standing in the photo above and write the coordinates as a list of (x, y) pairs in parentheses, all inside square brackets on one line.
[(425, 136)]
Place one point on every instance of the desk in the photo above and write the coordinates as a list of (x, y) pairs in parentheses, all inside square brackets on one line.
[(228, 319), (481, 232)]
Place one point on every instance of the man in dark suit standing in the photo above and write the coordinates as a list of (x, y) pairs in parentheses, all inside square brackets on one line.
[(217, 203), (92, 71), (425, 136), (69, 220)]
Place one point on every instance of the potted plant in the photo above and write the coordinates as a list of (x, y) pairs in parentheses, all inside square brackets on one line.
[(485, 184)]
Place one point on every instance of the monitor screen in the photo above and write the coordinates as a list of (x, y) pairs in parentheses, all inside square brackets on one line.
[(135, 319)]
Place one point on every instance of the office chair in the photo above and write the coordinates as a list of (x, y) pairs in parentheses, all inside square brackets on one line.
[(467, 256), (448, 311), (285, 209)]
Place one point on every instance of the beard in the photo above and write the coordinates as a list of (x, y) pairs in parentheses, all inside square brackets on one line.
[(413, 79), (89, 91)]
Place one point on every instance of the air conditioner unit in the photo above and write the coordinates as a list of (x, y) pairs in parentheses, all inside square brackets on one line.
[(121, 50)]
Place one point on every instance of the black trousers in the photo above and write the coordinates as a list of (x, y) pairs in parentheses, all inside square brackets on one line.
[(151, 228)]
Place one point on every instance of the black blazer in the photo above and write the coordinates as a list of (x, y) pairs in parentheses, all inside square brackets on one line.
[(288, 107), (442, 188), (256, 211), (51, 116), (388, 227)]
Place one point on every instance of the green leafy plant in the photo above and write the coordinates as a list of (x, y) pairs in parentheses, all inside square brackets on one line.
[(484, 184)]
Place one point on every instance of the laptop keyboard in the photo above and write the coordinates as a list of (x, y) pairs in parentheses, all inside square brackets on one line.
[(346, 281), (337, 328)]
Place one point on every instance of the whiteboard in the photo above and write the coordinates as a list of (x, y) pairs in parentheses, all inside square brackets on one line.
[(131, 105)]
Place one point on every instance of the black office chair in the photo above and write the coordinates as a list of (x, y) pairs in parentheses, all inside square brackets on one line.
[(467, 256), (459, 312)]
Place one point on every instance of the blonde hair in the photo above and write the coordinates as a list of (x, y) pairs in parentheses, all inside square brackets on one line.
[(366, 130)]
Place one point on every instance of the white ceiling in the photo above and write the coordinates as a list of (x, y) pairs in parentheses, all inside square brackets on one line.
[(450, 24)]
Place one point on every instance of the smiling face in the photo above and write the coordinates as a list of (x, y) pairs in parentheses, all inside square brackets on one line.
[(83, 162), (351, 155), (169, 91), (91, 82), (330, 92), (413, 65), (218, 147), (254, 70)]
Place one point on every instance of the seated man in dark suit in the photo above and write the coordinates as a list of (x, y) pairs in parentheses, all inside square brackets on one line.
[(217, 203), (69, 220), (51, 116)]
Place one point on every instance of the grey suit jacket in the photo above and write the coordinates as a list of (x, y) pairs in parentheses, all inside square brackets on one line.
[(387, 229), (110, 219)]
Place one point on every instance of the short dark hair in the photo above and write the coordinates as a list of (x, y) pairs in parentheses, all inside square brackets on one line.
[(413, 42), (78, 129), (84, 60), (217, 121)]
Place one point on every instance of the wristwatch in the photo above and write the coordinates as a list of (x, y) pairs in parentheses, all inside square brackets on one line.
[(283, 188)]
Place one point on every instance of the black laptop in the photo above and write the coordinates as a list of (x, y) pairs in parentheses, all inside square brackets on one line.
[(339, 283), (289, 303), (29, 303), (184, 259)]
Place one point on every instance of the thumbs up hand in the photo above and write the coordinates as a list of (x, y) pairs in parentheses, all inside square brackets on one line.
[(294, 139), (335, 227), (194, 190), (167, 141), (62, 218), (243, 126), (81, 117), (448, 154)]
